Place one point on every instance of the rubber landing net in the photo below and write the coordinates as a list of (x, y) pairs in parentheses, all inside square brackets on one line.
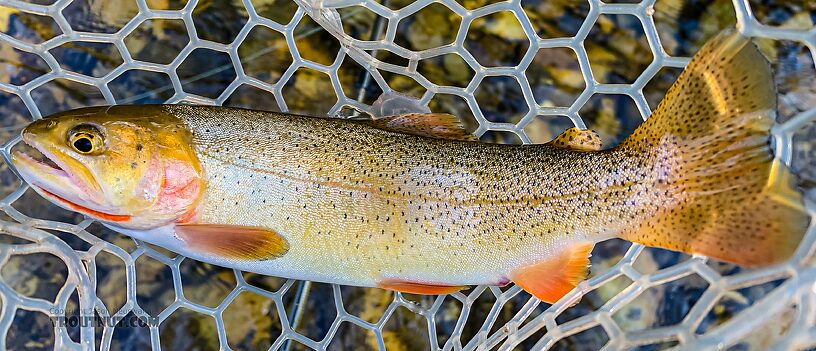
[(68, 283)]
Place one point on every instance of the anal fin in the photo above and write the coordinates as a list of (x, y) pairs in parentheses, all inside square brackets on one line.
[(551, 279), (233, 241), (419, 288), (578, 139)]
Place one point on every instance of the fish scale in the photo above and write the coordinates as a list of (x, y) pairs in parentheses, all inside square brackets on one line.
[(393, 205)]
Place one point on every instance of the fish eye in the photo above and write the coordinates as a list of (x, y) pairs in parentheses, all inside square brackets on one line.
[(86, 139), (83, 143)]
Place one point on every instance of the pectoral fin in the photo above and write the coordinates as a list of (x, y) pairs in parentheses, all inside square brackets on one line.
[(419, 288), (551, 279), (578, 139), (432, 125), (233, 241)]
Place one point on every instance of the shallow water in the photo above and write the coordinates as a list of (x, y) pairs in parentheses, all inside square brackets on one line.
[(618, 52)]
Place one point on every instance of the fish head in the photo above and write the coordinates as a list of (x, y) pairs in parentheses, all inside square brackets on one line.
[(132, 166)]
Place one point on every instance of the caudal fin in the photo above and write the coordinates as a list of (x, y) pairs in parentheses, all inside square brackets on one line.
[(738, 204)]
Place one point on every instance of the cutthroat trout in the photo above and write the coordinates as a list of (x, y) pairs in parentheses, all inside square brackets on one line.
[(412, 203)]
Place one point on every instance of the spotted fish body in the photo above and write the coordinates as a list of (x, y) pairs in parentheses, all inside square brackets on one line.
[(409, 203), (380, 205)]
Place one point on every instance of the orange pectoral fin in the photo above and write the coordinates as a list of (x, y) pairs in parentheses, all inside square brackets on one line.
[(233, 241), (551, 279), (419, 288)]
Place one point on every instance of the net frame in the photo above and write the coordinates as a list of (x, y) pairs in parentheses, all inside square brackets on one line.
[(797, 293)]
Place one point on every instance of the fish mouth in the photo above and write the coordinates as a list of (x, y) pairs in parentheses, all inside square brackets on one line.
[(52, 178)]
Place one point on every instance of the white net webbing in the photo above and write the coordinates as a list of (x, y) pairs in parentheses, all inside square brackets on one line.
[(57, 267)]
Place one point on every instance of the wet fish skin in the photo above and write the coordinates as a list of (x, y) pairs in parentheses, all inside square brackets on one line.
[(378, 204)]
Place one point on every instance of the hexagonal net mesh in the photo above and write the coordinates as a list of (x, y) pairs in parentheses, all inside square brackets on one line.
[(515, 71)]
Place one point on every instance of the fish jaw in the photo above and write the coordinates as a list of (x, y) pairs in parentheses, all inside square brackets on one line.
[(68, 184)]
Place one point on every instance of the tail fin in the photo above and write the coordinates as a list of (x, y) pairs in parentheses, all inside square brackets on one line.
[(738, 204)]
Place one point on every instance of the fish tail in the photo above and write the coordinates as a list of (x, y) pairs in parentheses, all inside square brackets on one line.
[(710, 137)]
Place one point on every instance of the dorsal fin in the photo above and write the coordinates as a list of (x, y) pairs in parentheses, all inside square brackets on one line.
[(578, 139), (432, 125)]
